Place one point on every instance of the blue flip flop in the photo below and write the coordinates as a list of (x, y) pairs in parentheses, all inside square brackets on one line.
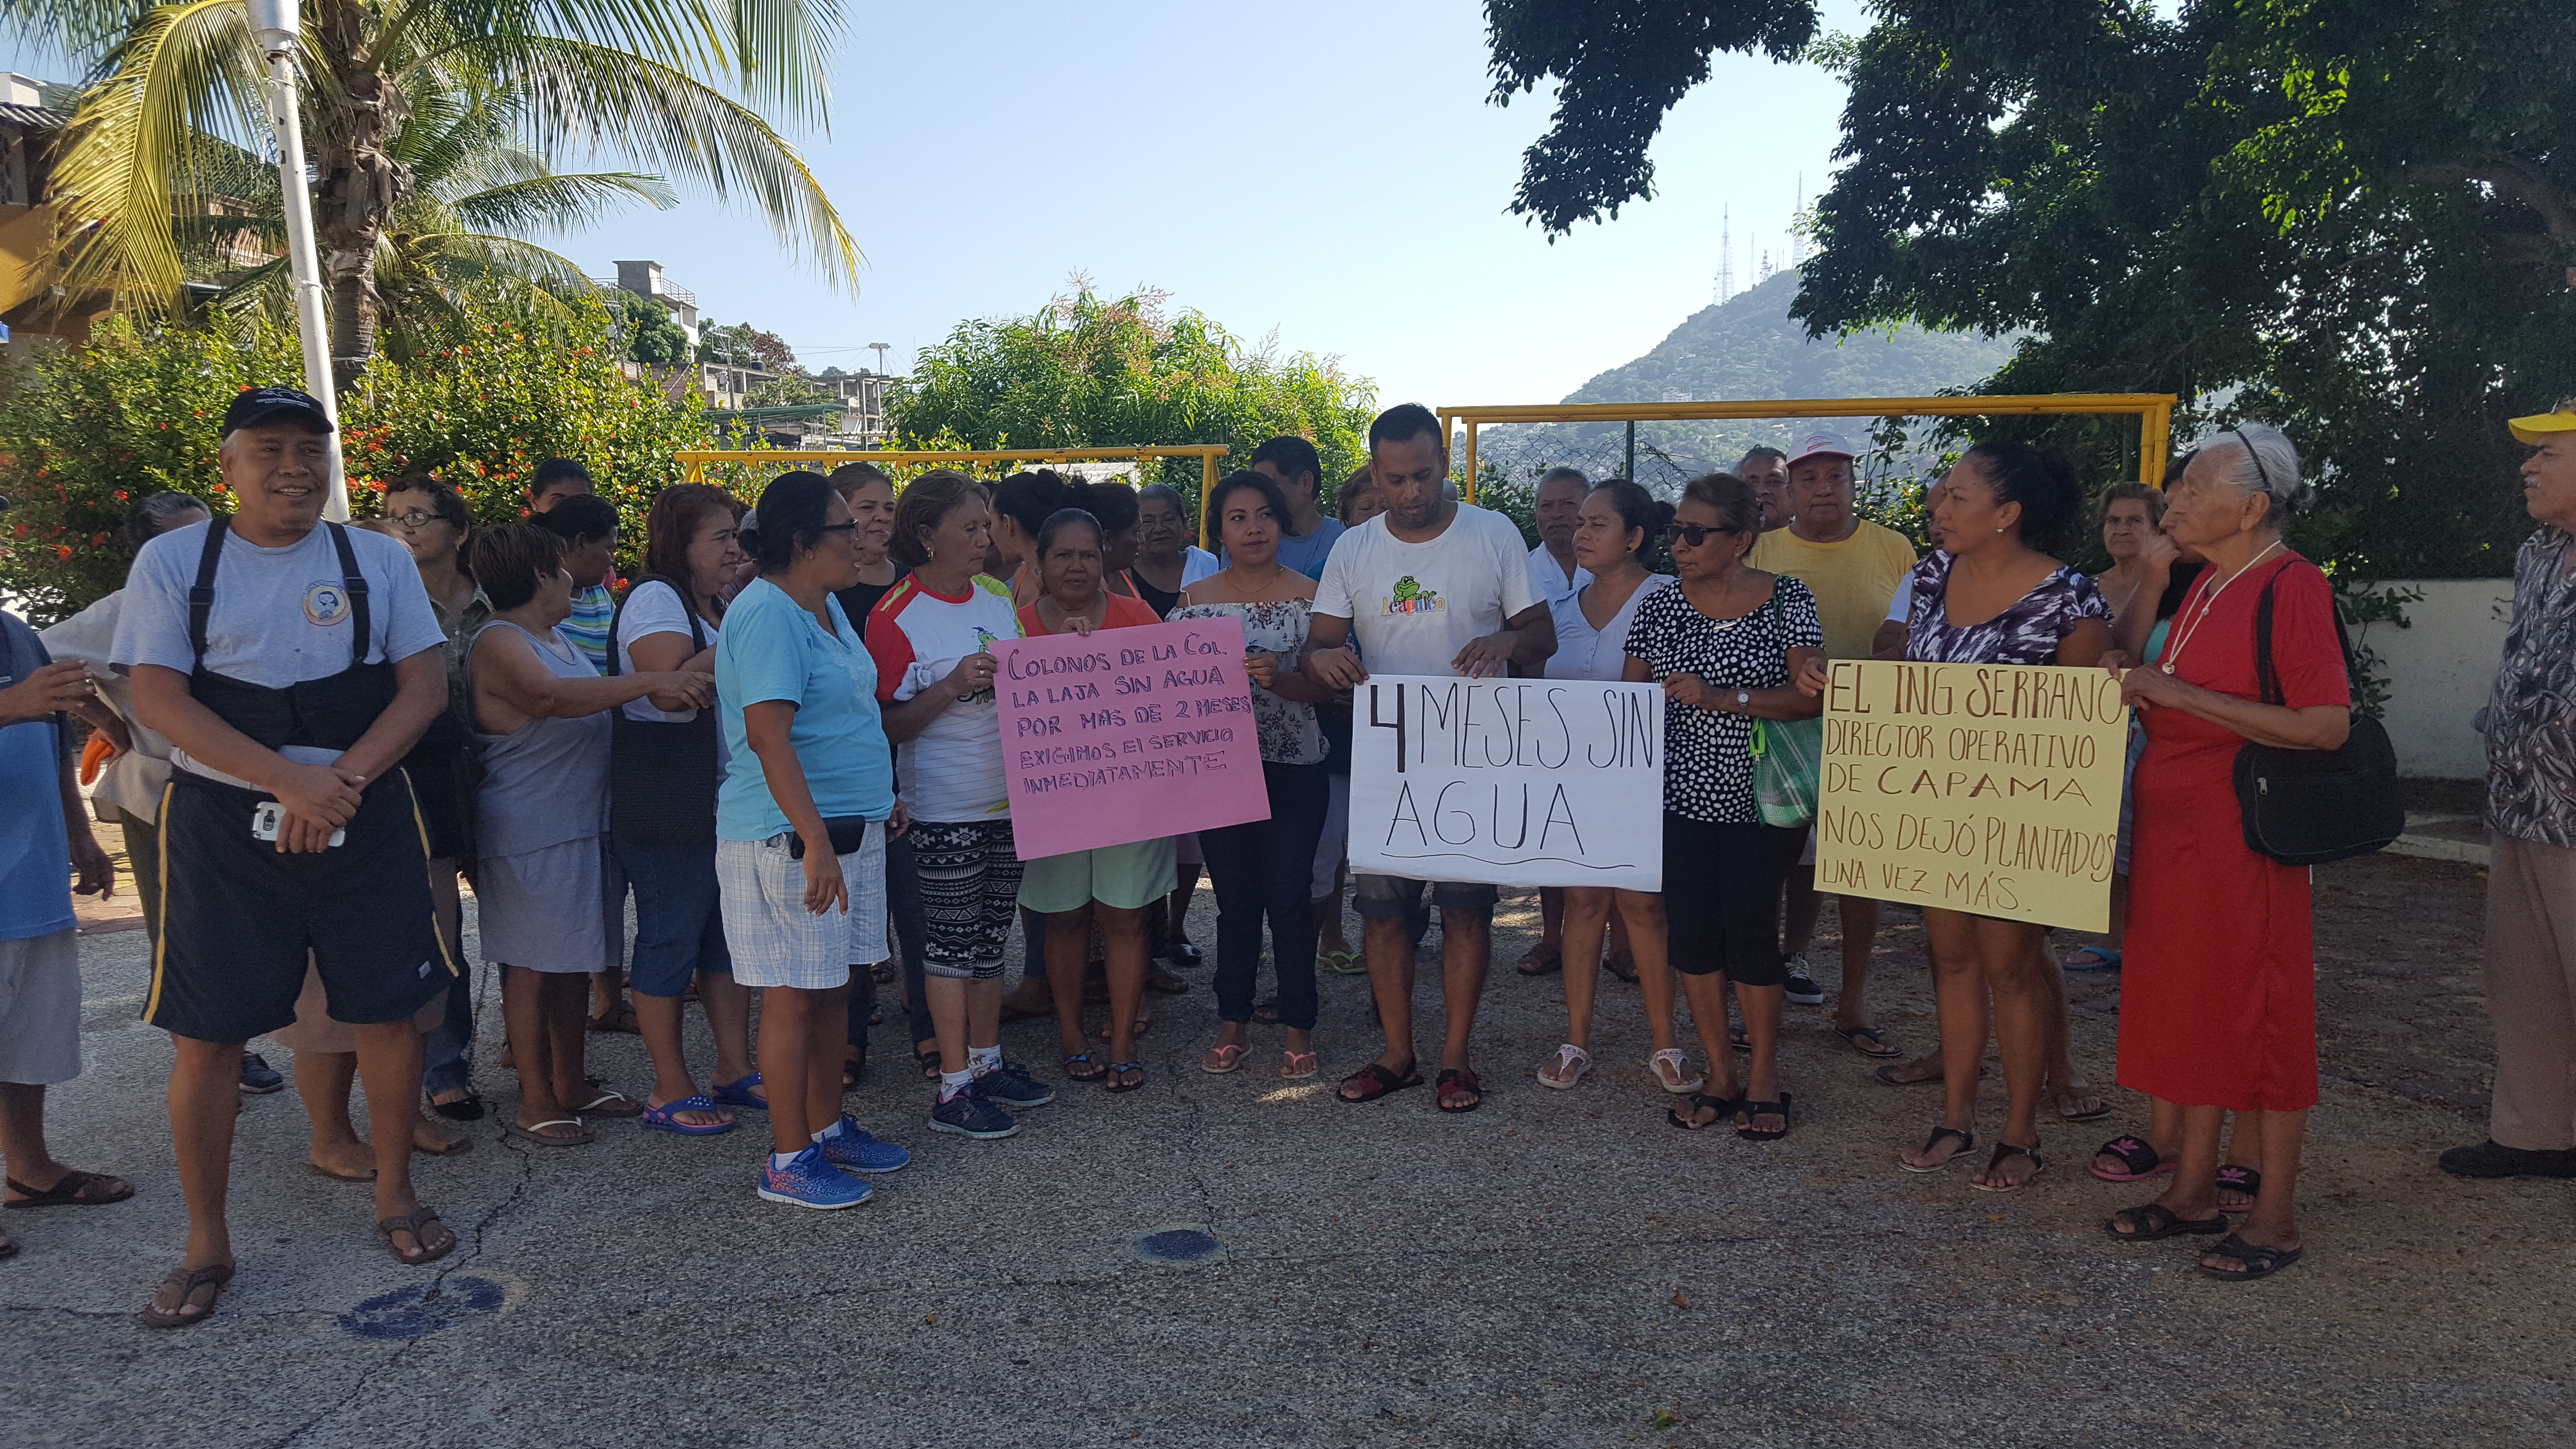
[(738, 1094), (2104, 958), (665, 1117)]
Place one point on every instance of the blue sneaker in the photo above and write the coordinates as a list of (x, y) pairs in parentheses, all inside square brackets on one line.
[(1011, 1085), (809, 1181), (969, 1115), (846, 1145)]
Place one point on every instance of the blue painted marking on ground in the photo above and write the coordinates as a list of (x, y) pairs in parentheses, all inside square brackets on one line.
[(1177, 1245), (408, 1313)]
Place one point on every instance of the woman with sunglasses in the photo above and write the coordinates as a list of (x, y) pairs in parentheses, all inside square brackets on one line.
[(1730, 644), (801, 819)]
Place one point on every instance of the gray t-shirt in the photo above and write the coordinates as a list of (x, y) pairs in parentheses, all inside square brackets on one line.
[(281, 615)]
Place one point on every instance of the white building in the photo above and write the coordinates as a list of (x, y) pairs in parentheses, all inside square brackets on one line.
[(645, 279)]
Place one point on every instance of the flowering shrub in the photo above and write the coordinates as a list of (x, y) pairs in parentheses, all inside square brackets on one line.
[(87, 433)]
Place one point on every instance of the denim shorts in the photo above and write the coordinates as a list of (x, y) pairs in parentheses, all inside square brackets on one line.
[(679, 921), (1384, 896)]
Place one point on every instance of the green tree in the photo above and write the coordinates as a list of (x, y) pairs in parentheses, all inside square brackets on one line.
[(1087, 371), (651, 336), (645, 80), (499, 387), (2353, 218)]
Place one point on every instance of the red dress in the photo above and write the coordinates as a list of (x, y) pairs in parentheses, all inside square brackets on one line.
[(2218, 995)]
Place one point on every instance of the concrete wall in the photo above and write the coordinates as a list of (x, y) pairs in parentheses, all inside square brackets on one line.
[(2440, 670)]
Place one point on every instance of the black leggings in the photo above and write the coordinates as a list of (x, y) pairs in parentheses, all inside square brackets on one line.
[(1722, 898)]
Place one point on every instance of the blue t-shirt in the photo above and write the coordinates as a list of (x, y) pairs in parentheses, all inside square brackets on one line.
[(35, 850), (773, 649)]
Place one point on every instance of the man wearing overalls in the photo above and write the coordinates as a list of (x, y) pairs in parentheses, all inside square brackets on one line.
[(292, 663)]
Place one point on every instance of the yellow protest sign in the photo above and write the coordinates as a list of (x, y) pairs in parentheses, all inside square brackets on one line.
[(1987, 788)]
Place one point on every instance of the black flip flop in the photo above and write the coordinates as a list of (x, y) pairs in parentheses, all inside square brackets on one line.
[(2004, 1152), (1751, 1110), (1876, 1038), (1967, 1144), (2260, 1262), (2154, 1220), (1724, 1107), (2231, 1178)]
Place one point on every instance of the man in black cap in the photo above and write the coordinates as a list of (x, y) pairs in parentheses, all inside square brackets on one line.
[(292, 663)]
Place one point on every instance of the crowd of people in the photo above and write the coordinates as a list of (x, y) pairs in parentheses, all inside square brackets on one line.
[(782, 740)]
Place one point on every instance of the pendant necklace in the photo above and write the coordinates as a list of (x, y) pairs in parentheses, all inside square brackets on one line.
[(2173, 651)]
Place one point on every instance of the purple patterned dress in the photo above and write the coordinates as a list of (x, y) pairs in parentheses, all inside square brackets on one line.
[(2026, 632)]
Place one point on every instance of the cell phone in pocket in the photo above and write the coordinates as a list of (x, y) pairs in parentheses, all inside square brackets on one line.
[(264, 820)]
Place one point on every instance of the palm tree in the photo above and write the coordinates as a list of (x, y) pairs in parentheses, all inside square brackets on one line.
[(477, 194), (638, 78)]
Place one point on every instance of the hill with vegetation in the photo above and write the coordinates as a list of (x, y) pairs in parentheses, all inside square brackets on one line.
[(1745, 347)]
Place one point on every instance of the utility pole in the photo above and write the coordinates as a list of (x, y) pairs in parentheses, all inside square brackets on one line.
[(279, 30), (1628, 470)]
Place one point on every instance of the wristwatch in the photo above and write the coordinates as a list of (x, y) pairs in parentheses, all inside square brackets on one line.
[(1743, 701)]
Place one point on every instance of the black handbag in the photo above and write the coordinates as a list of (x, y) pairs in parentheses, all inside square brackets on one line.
[(2307, 807), (661, 776)]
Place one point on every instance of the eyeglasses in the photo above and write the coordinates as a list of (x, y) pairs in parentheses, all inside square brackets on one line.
[(1694, 534), (417, 518), (840, 528)]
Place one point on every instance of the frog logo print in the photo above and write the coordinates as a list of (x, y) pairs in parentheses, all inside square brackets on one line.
[(1410, 597), (326, 603)]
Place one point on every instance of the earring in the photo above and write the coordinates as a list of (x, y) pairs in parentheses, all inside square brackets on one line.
[(1999, 528)]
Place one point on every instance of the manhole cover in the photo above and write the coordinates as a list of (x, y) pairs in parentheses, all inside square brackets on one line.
[(1180, 1245)]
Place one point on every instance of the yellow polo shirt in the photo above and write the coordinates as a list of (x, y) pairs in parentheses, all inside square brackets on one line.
[(1854, 581)]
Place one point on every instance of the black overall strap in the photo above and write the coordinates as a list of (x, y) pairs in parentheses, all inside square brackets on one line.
[(201, 595), (617, 621), (355, 582)]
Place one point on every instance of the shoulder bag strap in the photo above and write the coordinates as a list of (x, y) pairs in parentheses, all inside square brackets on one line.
[(355, 581), (2266, 676), (201, 595)]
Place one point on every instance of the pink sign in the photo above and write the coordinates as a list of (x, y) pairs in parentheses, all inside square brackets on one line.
[(1127, 735)]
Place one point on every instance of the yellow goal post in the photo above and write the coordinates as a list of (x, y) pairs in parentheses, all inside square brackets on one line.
[(2153, 409), (694, 461)]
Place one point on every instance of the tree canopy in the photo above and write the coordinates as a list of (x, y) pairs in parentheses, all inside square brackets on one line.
[(1087, 371), (2353, 218)]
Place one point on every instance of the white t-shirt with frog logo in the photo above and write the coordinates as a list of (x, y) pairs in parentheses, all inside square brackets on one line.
[(1413, 606)]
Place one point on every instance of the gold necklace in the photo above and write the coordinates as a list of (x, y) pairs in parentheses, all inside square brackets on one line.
[(2173, 649)]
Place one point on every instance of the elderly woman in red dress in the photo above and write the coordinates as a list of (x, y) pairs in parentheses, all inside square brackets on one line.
[(2218, 1007)]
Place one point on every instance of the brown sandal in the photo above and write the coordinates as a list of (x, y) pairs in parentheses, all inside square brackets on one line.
[(188, 1281), (416, 1225), (73, 1190)]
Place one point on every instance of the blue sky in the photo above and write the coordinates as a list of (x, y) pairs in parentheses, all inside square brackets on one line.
[(1329, 170)]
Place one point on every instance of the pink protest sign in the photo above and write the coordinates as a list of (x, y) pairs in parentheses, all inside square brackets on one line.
[(1127, 734)]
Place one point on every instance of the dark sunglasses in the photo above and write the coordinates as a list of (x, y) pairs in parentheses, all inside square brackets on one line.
[(1695, 534)]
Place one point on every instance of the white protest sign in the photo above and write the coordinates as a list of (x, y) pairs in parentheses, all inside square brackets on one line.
[(1516, 782)]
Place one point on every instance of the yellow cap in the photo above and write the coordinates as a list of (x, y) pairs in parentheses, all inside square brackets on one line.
[(2537, 429)]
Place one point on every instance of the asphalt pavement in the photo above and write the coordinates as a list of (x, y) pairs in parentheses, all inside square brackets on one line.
[(1241, 1259)]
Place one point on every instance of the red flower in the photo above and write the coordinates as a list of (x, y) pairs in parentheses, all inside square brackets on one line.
[(63, 552)]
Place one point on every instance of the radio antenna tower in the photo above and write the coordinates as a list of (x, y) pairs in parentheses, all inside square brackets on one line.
[(1797, 226), (1725, 258)]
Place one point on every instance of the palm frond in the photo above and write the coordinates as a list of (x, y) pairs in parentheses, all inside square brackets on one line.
[(187, 72), (559, 203), (590, 98), (86, 30), (776, 52)]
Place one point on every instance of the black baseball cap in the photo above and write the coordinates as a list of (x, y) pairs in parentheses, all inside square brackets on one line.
[(276, 404)]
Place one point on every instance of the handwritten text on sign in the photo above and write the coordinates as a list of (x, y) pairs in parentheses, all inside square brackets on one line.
[(1517, 782), (1987, 788), (1127, 735)]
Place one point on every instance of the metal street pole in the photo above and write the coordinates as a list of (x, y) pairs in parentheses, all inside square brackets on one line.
[(278, 29)]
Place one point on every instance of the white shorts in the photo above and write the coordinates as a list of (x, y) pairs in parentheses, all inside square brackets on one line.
[(775, 941), (40, 998)]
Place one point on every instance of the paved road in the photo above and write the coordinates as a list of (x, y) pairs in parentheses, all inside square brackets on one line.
[(1560, 1268)]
